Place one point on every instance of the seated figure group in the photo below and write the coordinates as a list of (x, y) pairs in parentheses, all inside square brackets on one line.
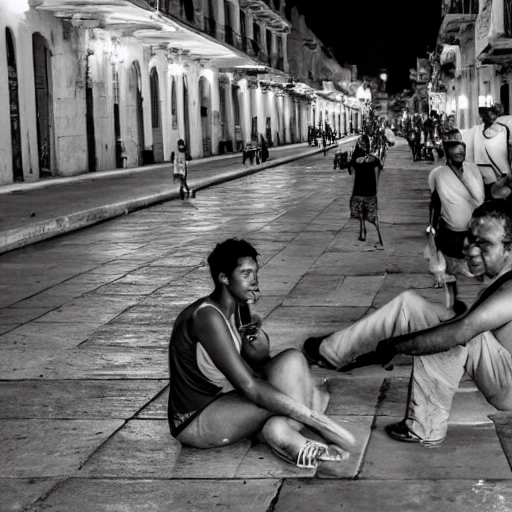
[(225, 386)]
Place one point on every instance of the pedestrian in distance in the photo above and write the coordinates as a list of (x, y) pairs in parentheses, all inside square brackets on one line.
[(363, 203), (225, 386), (324, 142), (180, 168)]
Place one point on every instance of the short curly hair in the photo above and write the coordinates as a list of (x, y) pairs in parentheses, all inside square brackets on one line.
[(224, 258), (497, 209)]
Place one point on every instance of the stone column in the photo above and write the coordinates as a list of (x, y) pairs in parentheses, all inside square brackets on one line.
[(5, 113)]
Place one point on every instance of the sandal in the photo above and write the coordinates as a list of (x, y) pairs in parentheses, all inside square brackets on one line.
[(311, 350), (312, 452)]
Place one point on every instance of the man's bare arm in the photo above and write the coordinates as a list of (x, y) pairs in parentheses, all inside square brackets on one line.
[(492, 314)]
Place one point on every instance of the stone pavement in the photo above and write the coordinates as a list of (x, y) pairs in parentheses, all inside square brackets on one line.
[(84, 327), (30, 212)]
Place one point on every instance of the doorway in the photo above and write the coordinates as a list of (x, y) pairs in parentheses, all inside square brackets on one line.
[(186, 114), (17, 164), (44, 104), (89, 120), (206, 113), (156, 117), (136, 92)]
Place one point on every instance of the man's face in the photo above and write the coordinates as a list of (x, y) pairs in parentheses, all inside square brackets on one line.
[(243, 281), (363, 145), (488, 116), (484, 249), (457, 153)]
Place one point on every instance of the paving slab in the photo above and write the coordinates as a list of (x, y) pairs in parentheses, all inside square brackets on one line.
[(163, 495), (355, 291), (367, 263), (217, 463), (317, 316), (75, 399), (25, 363), (469, 405), (49, 448), (22, 315), (395, 495), (503, 424), (117, 288), (50, 335), (19, 493), (107, 363), (143, 314), (468, 452), (353, 397), (121, 335), (141, 449)]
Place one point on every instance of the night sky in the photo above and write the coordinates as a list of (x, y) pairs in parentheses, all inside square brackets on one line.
[(375, 34)]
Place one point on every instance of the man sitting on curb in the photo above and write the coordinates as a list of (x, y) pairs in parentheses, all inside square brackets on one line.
[(478, 341)]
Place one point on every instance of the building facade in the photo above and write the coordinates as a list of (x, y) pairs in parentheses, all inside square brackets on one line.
[(91, 86), (473, 63), (333, 103)]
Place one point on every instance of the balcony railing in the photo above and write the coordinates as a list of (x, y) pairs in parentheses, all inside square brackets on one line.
[(459, 7)]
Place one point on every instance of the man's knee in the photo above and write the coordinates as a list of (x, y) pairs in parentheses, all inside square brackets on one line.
[(290, 361)]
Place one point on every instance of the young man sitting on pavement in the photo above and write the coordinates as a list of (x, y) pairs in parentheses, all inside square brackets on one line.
[(445, 344), (224, 386)]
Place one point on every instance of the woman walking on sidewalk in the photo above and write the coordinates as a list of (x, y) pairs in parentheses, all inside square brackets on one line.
[(180, 168)]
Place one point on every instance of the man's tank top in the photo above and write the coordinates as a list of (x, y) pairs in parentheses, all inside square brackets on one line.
[(194, 378)]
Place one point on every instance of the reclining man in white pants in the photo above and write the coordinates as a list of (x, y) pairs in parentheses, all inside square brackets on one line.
[(445, 343)]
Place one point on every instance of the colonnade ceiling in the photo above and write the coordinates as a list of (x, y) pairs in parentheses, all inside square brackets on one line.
[(125, 18)]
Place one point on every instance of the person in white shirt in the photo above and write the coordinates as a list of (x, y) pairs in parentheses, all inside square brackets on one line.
[(488, 147), (457, 188)]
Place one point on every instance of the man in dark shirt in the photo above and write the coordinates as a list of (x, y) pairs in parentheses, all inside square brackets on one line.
[(363, 203)]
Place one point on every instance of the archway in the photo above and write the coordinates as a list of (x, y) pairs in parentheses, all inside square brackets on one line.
[(205, 98), (156, 117), (237, 116), (17, 163), (89, 120), (135, 88), (44, 104), (174, 105), (186, 113)]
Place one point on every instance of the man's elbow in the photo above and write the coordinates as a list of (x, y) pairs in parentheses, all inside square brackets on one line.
[(249, 388)]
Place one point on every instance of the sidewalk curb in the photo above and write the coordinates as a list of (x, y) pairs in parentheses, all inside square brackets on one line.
[(21, 237)]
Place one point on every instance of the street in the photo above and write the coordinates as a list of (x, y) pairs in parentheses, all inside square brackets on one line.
[(86, 319)]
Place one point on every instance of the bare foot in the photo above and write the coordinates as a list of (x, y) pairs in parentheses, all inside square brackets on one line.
[(379, 247)]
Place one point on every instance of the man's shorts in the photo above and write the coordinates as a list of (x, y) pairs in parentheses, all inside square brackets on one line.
[(364, 207)]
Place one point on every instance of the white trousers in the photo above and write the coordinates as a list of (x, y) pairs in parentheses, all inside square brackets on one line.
[(435, 378)]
